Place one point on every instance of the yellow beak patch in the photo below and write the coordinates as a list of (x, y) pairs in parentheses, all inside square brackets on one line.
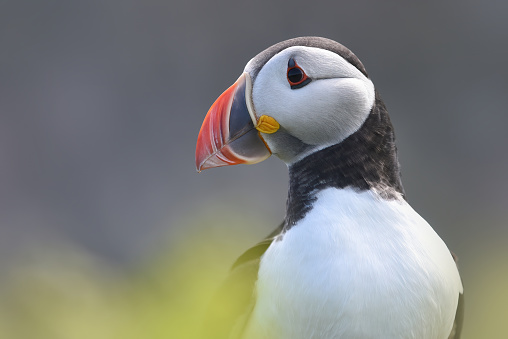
[(267, 125)]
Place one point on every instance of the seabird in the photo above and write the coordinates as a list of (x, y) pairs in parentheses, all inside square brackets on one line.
[(352, 259)]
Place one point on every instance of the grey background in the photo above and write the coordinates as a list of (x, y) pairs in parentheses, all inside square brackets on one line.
[(101, 103)]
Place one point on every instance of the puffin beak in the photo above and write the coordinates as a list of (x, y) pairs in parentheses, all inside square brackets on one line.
[(228, 135)]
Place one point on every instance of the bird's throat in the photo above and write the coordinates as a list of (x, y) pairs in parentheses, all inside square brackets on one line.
[(366, 160)]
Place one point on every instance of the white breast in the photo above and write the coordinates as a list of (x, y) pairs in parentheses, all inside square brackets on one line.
[(356, 266)]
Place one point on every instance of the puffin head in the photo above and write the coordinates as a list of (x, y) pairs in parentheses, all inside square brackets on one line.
[(293, 99)]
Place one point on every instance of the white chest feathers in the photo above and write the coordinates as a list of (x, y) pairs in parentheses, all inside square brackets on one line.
[(356, 266)]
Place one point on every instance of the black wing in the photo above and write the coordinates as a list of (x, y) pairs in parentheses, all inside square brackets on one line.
[(230, 309), (459, 315)]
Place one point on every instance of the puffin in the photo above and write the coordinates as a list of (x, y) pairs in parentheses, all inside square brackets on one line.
[(352, 258)]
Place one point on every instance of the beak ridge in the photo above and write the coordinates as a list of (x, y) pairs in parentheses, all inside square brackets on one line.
[(228, 135)]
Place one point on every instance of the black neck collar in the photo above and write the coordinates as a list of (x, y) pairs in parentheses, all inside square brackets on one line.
[(365, 160)]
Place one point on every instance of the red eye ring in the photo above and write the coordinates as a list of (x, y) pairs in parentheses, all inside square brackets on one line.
[(296, 76)]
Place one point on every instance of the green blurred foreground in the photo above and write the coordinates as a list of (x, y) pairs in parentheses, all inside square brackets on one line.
[(68, 294)]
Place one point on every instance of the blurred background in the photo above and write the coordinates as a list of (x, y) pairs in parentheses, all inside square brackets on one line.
[(106, 229)]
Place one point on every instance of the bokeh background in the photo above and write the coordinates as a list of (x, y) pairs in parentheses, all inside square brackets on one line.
[(106, 229)]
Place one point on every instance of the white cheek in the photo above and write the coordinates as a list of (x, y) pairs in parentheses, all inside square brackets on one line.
[(330, 111), (322, 113)]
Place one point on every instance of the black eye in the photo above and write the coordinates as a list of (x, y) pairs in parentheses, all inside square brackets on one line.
[(296, 76)]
